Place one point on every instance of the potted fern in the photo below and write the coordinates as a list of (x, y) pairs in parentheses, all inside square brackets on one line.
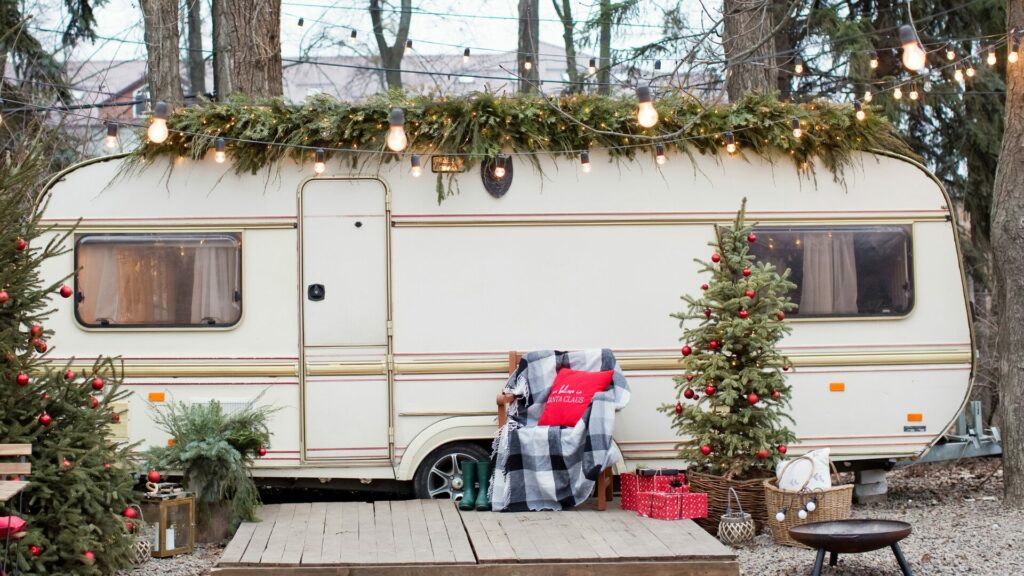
[(214, 451)]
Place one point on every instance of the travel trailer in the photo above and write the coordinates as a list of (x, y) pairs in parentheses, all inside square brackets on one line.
[(380, 321)]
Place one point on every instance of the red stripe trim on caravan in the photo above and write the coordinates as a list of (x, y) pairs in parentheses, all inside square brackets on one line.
[(179, 358), (730, 214), (128, 382), (282, 451), (164, 218), (443, 379), (807, 347), (319, 380), (799, 438), (348, 449), (296, 458)]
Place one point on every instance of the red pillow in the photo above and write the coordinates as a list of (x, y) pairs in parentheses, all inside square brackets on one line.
[(571, 394)]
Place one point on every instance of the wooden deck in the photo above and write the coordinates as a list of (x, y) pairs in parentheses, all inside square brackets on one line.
[(433, 537)]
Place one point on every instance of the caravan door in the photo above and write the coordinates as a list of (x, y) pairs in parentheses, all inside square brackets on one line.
[(344, 259)]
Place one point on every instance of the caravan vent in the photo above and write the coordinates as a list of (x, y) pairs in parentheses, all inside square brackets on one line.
[(229, 405)]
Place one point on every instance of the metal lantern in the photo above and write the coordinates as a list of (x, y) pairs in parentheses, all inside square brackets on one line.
[(171, 524)]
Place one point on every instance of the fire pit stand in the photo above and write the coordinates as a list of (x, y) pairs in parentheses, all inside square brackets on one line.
[(852, 537)]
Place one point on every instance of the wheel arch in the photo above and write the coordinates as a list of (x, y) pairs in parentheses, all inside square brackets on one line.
[(446, 431)]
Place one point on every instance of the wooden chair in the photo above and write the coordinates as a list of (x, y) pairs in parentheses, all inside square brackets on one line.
[(604, 481), (9, 489)]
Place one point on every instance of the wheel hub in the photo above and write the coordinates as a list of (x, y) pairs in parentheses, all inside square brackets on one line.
[(457, 483)]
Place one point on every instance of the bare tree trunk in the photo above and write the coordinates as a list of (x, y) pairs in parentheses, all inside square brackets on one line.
[(1008, 261), (221, 52), (254, 34), (196, 64), (391, 56), (529, 46), (604, 51), (160, 19), (749, 47), (564, 12)]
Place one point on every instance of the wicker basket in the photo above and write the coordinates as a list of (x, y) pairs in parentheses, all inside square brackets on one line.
[(830, 504), (750, 492)]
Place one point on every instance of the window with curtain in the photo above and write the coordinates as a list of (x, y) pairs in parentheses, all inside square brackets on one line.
[(158, 280), (843, 270)]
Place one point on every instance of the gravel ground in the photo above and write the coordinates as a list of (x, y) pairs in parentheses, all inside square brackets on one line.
[(198, 563), (959, 528)]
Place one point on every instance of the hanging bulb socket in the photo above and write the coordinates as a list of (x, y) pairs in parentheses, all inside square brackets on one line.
[(798, 65), (873, 61), (730, 142), (465, 55), (659, 153), (585, 161), (396, 139), (415, 168), (950, 52), (646, 114), (914, 56), (320, 165), (301, 22), (354, 35), (408, 44), (592, 67), (858, 111), (219, 146), (657, 64), (795, 124), (157, 131), (1014, 54), (110, 142)]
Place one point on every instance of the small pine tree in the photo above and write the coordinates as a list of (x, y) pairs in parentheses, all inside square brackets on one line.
[(81, 482), (732, 400)]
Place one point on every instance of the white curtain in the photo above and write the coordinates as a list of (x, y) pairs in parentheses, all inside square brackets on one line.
[(829, 284), (98, 280), (215, 283)]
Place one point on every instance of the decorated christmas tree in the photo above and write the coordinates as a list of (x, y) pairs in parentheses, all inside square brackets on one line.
[(732, 398), (80, 483)]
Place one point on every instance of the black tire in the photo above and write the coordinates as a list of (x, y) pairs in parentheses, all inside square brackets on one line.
[(434, 476)]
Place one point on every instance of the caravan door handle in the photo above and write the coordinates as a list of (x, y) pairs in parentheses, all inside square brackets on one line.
[(315, 292)]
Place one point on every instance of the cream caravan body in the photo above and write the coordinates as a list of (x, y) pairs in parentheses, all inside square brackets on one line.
[(380, 321)]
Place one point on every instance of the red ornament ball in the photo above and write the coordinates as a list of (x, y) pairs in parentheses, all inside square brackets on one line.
[(45, 419), (130, 527), (65, 464), (705, 449), (36, 331), (20, 244), (94, 402), (752, 398), (106, 465), (22, 379), (153, 476), (707, 312), (763, 454), (35, 550), (746, 271), (751, 237), (688, 394), (776, 394), (743, 314), (262, 451), (46, 396), (749, 293), (69, 374), (97, 384), (8, 358), (116, 418), (89, 557), (785, 367), (696, 396), (686, 350), (4, 297), (704, 287), (709, 390), (689, 377), (130, 512), (65, 291), (679, 407), (716, 258), (781, 316), (781, 448), (40, 345), (713, 345)]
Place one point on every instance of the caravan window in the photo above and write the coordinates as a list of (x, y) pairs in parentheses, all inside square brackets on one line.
[(158, 280), (843, 270)]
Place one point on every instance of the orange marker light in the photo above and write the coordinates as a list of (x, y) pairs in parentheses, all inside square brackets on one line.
[(837, 387), (915, 417), (156, 396)]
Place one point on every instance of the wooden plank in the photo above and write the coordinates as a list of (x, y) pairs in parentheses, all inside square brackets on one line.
[(673, 568), (367, 534), (421, 548), (296, 535), (279, 535), (647, 545), (523, 549), (234, 550), (257, 544), (500, 545), (592, 537), (15, 449), (611, 530), (349, 541), (456, 532), (573, 537), (439, 541), (404, 553), (9, 488), (385, 532), (15, 468), (330, 551), (314, 541), (479, 538)]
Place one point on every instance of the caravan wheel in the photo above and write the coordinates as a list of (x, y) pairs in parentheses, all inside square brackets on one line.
[(440, 473)]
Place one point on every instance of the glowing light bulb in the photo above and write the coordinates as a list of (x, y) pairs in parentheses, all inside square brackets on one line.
[(659, 154), (110, 141), (958, 74), (970, 72), (991, 59), (465, 56), (415, 168), (499, 167), (157, 131), (950, 53), (730, 143), (646, 114), (914, 56), (858, 111), (798, 65), (802, 514), (868, 96), (528, 63), (397, 140), (797, 132), (873, 62), (592, 67), (319, 166), (219, 155), (811, 506), (897, 93), (1012, 57), (913, 93), (585, 161), (780, 516)]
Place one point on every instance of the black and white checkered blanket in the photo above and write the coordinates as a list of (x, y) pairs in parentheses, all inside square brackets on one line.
[(553, 467)]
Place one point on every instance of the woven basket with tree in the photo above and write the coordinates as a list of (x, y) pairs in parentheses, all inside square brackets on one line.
[(733, 398)]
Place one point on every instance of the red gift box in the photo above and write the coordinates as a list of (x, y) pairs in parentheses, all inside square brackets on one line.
[(672, 505), (632, 485)]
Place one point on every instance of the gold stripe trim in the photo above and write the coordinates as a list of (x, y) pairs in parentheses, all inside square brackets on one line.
[(450, 413), (174, 369), (498, 221), (164, 225), (347, 369)]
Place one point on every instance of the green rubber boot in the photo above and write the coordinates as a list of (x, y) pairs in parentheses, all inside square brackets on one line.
[(468, 485), (483, 478)]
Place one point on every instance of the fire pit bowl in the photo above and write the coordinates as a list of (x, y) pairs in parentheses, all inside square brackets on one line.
[(852, 537)]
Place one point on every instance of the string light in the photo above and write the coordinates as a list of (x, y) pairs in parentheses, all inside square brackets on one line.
[(219, 145), (797, 132), (913, 93), (730, 142), (415, 168), (408, 44), (897, 93), (354, 35), (873, 62), (970, 71), (592, 67), (914, 56), (958, 75), (465, 56), (396, 139), (585, 161), (111, 142), (528, 63), (1013, 55), (301, 22), (798, 65), (157, 131), (950, 53), (859, 111), (659, 154), (657, 64), (319, 166), (991, 56), (646, 114), (868, 97), (499, 167)]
